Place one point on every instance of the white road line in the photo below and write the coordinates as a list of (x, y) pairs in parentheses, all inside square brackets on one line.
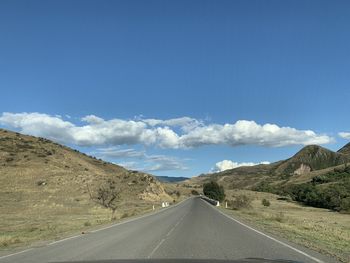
[(104, 228), (267, 236), (171, 230), (155, 249), (20, 252), (166, 236), (61, 240)]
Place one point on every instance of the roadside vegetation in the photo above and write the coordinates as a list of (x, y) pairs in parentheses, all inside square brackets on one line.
[(214, 191), (319, 229), (107, 195), (330, 190)]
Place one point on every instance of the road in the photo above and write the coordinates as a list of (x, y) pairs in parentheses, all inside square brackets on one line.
[(191, 229)]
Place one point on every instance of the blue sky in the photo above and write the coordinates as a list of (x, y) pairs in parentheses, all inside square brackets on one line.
[(212, 73)]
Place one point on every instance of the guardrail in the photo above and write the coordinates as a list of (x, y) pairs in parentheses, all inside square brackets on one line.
[(210, 201)]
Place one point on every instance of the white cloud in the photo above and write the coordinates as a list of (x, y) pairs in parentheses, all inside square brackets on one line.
[(344, 135), (163, 163), (185, 123), (192, 133), (145, 162), (92, 119), (114, 152), (228, 164), (249, 132), (38, 124)]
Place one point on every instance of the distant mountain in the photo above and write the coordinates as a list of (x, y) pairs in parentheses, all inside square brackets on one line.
[(345, 149), (307, 161), (170, 179), (311, 158)]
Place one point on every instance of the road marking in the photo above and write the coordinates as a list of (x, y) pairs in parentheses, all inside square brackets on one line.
[(104, 228), (155, 249), (20, 252), (267, 236), (166, 236), (61, 240), (171, 230)]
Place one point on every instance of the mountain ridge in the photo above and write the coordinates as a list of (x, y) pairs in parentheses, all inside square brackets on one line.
[(307, 161)]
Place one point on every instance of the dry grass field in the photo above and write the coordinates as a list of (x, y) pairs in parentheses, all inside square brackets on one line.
[(44, 193), (320, 229)]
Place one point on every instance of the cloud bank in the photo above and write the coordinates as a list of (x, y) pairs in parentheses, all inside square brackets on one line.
[(344, 135), (179, 133), (149, 163), (228, 164)]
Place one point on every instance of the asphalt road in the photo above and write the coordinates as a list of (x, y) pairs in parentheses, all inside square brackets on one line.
[(191, 229)]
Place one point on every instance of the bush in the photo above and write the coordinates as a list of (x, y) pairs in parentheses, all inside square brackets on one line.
[(194, 192), (124, 215), (345, 205), (241, 201), (265, 202), (214, 191), (331, 196)]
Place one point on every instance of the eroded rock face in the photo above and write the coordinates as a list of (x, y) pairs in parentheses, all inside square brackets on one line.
[(302, 169), (154, 190)]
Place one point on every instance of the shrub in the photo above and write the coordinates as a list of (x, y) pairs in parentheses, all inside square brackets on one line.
[(241, 201), (265, 186), (265, 202), (214, 191), (345, 205), (87, 223), (124, 215), (331, 196), (194, 192)]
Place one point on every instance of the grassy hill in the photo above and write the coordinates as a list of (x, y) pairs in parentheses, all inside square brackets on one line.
[(44, 189)]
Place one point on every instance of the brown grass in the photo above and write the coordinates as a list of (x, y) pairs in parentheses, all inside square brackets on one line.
[(319, 229)]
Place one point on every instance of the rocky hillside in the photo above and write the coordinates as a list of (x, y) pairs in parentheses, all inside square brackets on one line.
[(311, 158), (345, 149)]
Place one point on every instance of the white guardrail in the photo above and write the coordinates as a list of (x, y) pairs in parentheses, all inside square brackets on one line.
[(210, 201)]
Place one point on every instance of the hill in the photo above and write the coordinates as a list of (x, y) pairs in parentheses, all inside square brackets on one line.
[(170, 179), (311, 158), (45, 189), (313, 176), (307, 161), (345, 149)]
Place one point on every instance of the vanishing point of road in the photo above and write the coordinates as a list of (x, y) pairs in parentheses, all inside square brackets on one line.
[(192, 229)]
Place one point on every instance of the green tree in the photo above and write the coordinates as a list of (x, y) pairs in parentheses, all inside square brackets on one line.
[(214, 191)]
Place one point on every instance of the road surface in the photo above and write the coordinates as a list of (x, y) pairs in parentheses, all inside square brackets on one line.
[(191, 229)]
